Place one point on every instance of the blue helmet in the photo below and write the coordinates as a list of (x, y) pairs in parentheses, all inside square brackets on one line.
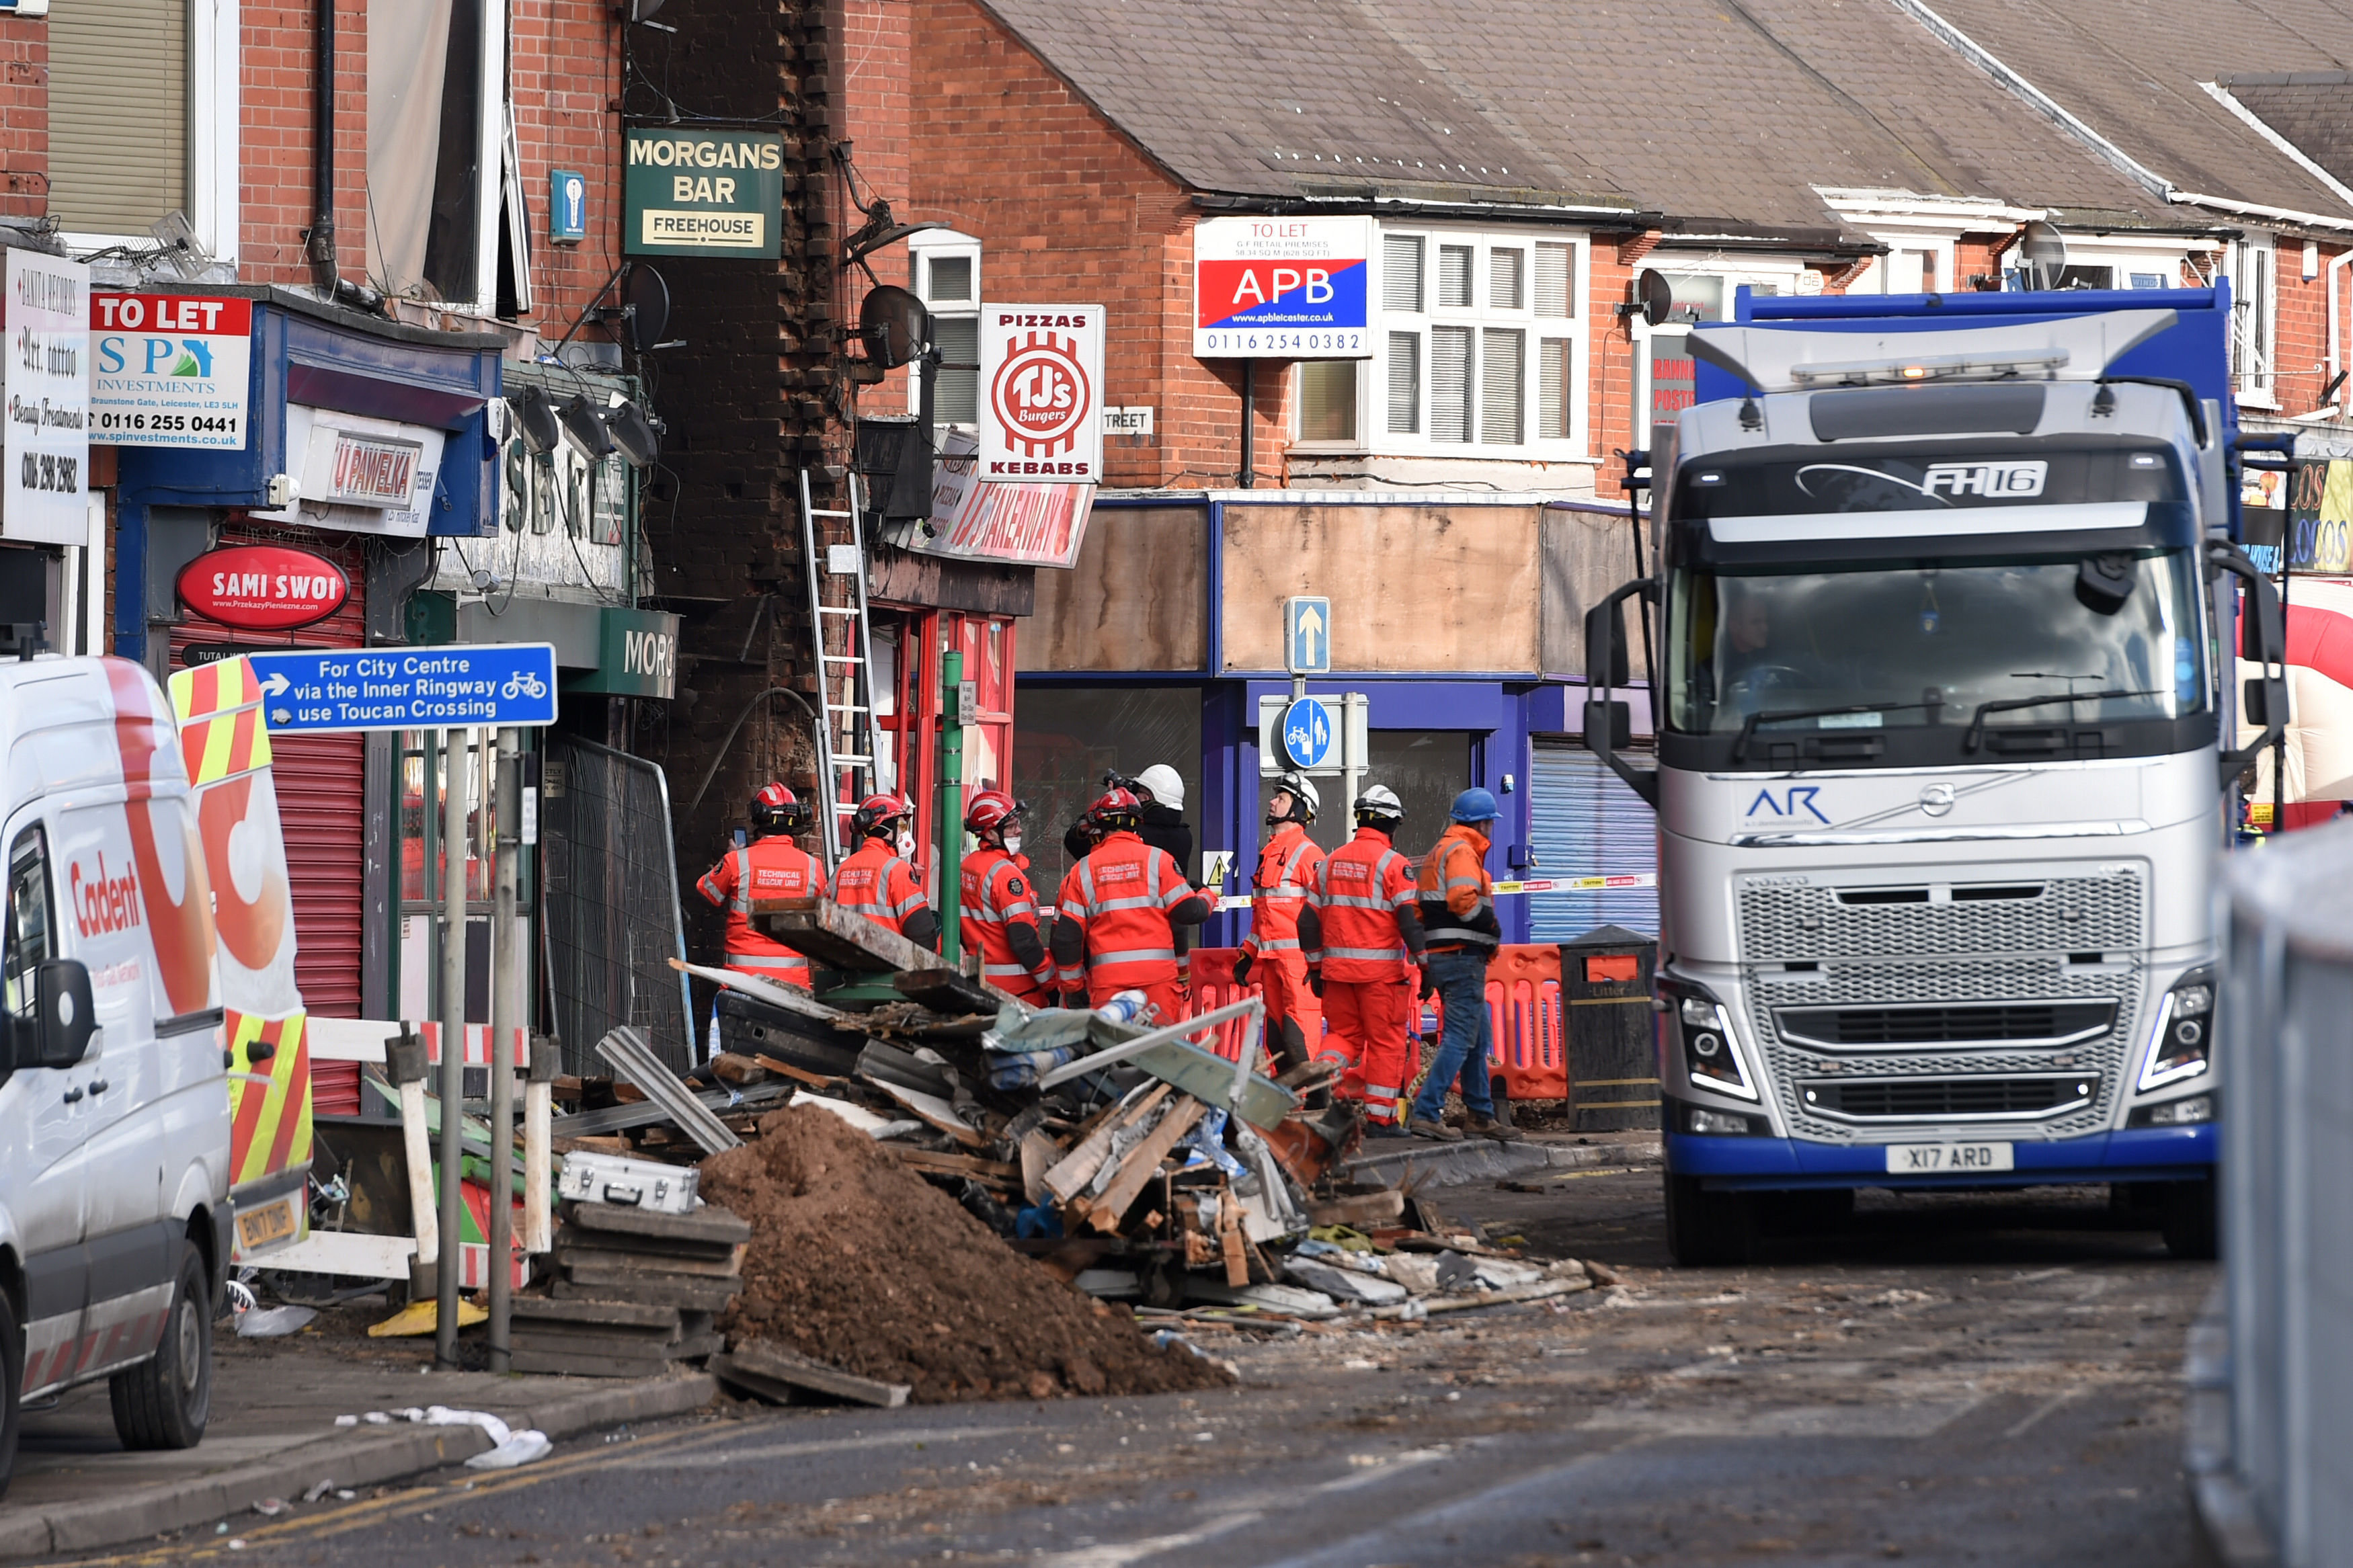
[(1474, 806)]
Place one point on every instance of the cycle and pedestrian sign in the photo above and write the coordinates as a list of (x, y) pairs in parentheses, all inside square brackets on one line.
[(454, 685), (1308, 734)]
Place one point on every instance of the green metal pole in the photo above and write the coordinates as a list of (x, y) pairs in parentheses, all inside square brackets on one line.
[(951, 806)]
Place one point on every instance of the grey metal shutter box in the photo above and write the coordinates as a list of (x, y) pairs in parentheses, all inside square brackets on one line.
[(118, 114), (1586, 822)]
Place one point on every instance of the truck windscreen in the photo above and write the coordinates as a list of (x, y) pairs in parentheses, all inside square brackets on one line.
[(1965, 651)]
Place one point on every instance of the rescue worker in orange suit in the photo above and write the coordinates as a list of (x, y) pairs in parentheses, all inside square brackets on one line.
[(1286, 869), (772, 866), (1361, 929), (1461, 933), (877, 881), (1119, 908), (998, 907)]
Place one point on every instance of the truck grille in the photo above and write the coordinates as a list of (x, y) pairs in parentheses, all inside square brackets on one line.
[(1940, 1024), (1946, 1099), (1786, 922)]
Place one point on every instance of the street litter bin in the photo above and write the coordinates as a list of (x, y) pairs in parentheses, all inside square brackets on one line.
[(1613, 1061)]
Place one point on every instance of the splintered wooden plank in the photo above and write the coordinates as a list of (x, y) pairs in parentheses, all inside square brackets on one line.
[(767, 1363), (1070, 1175), (1105, 1212), (839, 938), (934, 1112)]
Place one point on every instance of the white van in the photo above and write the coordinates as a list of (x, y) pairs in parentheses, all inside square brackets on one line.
[(115, 1213)]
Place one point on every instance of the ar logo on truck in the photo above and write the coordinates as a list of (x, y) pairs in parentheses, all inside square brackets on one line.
[(2019, 479), (1793, 800)]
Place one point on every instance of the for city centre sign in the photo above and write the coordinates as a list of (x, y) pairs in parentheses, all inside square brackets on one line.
[(1282, 288), (702, 193), (1041, 380), (455, 686)]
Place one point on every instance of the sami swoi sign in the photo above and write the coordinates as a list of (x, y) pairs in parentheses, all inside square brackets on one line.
[(1041, 394), (702, 193), (170, 370), (347, 689), (1282, 288), (263, 587)]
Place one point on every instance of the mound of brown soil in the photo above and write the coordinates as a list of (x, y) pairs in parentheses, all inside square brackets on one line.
[(859, 1263)]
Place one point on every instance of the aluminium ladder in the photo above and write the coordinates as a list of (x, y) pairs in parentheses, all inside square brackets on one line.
[(847, 742)]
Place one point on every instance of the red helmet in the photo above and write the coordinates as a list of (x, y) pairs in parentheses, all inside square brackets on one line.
[(777, 809), (1118, 810), (991, 809), (876, 813)]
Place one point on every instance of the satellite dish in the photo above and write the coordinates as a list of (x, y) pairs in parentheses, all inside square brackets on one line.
[(2043, 252), (895, 325), (1655, 294), (647, 298)]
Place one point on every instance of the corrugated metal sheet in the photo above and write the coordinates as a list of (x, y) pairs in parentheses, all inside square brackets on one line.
[(1587, 822)]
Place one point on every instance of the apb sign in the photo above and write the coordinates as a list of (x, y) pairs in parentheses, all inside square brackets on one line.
[(1041, 394), (45, 373), (1282, 288), (170, 370), (704, 192)]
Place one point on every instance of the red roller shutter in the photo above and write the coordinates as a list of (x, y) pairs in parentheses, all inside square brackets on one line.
[(323, 806)]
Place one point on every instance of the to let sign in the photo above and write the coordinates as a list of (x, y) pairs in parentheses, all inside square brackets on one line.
[(263, 587), (702, 193), (44, 378), (1282, 288), (1041, 394), (170, 370)]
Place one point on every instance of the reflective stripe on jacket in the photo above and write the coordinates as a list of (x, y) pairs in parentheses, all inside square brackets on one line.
[(1278, 889), (770, 867), (879, 885), (1359, 890), (996, 895), (1120, 895), (1456, 894)]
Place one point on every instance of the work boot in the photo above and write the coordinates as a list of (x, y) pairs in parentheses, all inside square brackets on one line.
[(1428, 1127), (1480, 1126), (1385, 1130)]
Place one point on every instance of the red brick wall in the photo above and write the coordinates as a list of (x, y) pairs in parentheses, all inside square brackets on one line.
[(565, 75), (24, 117), (2300, 346), (274, 151)]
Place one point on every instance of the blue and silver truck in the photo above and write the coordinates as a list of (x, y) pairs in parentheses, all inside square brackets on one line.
[(1940, 636)]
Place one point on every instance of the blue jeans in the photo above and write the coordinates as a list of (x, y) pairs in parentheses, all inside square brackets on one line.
[(1463, 1046)]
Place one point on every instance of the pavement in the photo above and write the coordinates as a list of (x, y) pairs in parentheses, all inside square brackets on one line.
[(1415, 1162), (273, 1436), (1948, 1379)]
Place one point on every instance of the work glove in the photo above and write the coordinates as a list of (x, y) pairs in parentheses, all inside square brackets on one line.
[(1429, 986), (1241, 970), (1315, 983)]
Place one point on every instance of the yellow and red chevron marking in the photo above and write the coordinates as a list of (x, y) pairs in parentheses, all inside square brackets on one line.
[(221, 730), (212, 688), (269, 1123)]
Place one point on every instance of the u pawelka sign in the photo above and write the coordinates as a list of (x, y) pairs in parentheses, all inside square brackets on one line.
[(702, 193)]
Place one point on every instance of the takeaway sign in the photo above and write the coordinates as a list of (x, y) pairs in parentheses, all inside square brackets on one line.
[(1282, 288), (170, 370), (702, 193), (1041, 375)]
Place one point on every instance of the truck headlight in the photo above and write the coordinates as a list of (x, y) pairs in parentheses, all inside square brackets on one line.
[(2182, 1044), (1710, 1054)]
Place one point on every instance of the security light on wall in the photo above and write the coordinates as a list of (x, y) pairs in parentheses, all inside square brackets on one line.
[(585, 425), (535, 416), (635, 432)]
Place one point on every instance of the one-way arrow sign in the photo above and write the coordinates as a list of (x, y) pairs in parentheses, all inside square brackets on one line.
[(1307, 634)]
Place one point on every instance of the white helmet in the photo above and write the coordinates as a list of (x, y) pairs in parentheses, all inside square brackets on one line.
[(1381, 803), (1301, 789), (1166, 786)]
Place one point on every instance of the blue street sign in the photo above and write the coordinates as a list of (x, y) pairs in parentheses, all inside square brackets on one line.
[(1307, 733), (325, 691), (567, 207), (1307, 635)]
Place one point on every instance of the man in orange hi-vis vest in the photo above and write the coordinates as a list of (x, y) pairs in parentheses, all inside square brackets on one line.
[(1120, 909), (877, 881), (999, 906), (770, 866), (1286, 870), (1361, 930), (1461, 933)]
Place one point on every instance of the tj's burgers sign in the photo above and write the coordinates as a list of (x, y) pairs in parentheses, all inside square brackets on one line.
[(263, 587)]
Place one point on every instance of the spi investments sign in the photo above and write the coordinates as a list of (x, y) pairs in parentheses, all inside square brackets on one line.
[(45, 380), (170, 370), (1041, 394), (1282, 288), (702, 193)]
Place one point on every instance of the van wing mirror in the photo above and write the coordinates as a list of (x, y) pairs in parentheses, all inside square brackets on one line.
[(64, 1016)]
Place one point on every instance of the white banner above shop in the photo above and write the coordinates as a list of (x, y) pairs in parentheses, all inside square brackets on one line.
[(357, 474), (1015, 524)]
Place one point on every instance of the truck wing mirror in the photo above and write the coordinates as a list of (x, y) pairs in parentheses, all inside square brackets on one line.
[(64, 1016), (2263, 640), (1607, 663), (1608, 726), (1609, 723)]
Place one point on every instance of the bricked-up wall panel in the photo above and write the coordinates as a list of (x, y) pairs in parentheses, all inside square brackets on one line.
[(564, 76), (1070, 211), (2300, 344), (275, 96), (749, 400), (24, 117), (1611, 347)]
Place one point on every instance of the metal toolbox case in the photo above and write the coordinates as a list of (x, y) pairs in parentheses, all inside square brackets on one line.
[(628, 1184)]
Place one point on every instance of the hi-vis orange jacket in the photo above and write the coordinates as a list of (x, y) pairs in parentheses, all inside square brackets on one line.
[(770, 867)]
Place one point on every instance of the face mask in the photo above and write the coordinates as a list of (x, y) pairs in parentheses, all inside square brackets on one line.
[(907, 843), (1013, 843)]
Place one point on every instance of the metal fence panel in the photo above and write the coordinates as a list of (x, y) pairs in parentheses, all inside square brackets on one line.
[(609, 890)]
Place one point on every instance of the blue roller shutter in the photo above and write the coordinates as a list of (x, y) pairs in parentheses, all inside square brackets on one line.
[(1587, 822)]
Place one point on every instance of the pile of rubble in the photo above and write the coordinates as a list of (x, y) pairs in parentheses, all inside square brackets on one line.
[(897, 1147)]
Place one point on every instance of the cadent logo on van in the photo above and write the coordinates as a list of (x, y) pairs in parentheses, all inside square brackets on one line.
[(2019, 479), (103, 904)]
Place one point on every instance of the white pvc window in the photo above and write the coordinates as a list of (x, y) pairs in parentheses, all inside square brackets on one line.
[(946, 278), (1481, 350)]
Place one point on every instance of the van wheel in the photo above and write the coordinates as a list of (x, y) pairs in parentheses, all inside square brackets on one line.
[(1706, 1229), (12, 1388), (2188, 1218), (165, 1400)]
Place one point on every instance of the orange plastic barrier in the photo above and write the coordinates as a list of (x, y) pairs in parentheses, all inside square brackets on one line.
[(1526, 1021)]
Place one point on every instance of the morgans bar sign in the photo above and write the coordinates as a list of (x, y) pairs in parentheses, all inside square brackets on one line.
[(702, 193)]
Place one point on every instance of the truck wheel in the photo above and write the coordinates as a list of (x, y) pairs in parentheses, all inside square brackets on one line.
[(1707, 1229), (12, 1388), (2188, 1218), (165, 1400)]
